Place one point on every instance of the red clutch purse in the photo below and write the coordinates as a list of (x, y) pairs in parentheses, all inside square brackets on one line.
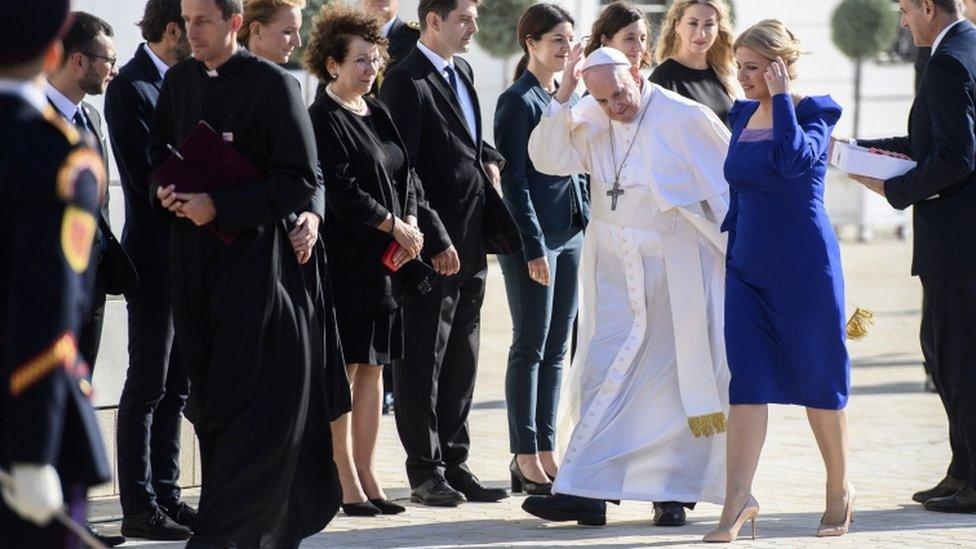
[(387, 259)]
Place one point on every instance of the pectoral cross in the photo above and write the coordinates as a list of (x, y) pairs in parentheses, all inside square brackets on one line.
[(615, 193)]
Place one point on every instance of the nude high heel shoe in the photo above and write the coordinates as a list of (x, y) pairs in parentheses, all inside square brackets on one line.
[(834, 530), (748, 513)]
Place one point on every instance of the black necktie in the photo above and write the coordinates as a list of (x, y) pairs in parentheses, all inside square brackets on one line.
[(79, 120), (452, 78)]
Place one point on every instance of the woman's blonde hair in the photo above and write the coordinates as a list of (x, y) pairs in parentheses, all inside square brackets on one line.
[(719, 57), (771, 39), (262, 11)]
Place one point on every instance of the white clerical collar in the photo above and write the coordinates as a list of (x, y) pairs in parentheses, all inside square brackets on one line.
[(62, 103), (161, 66), (385, 29), (439, 62), (26, 90), (938, 39)]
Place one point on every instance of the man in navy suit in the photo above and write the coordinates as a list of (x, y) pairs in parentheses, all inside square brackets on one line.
[(433, 101), (156, 384), (942, 189)]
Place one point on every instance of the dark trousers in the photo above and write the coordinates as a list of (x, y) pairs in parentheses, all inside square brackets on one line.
[(542, 317), (948, 337), (434, 384), (153, 397)]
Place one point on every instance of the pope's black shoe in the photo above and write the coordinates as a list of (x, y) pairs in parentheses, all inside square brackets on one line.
[(566, 508), (669, 513), (105, 539), (436, 492), (963, 501), (945, 488), (181, 513), (474, 490), (154, 525)]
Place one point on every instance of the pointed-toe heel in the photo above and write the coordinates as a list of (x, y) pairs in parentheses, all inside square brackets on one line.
[(835, 530), (522, 484), (748, 513), (361, 509)]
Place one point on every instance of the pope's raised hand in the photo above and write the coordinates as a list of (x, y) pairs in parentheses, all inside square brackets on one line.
[(571, 75)]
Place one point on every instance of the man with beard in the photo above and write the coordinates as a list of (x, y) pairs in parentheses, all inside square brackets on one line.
[(87, 68), (148, 430), (242, 315)]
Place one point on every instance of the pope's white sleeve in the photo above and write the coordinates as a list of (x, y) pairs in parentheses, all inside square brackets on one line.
[(551, 145)]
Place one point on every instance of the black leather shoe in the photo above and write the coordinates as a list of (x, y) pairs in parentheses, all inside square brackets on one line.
[(669, 513), (945, 488), (436, 492), (181, 513), (387, 507), (474, 490), (154, 525), (387, 402), (963, 501), (566, 508), (522, 484), (104, 539)]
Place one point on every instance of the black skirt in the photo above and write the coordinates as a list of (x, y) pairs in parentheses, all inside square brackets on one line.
[(371, 337)]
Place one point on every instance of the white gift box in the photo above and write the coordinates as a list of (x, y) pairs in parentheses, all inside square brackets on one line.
[(861, 161)]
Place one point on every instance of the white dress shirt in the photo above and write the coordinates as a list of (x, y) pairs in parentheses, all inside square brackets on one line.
[(161, 66), (464, 94), (64, 105)]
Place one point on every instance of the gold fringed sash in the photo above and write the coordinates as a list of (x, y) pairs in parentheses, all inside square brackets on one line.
[(707, 425), (857, 326)]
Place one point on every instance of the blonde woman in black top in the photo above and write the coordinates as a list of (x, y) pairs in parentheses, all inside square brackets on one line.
[(695, 54)]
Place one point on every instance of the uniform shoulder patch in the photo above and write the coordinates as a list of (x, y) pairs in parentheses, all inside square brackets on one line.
[(71, 174), (415, 25), (78, 228), (67, 130)]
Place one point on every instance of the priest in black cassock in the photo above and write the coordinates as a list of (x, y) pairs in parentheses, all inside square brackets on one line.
[(242, 314)]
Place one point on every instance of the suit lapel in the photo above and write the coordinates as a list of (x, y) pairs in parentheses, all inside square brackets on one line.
[(149, 68), (440, 84)]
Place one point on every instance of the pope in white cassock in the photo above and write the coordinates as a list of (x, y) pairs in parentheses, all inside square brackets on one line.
[(642, 414)]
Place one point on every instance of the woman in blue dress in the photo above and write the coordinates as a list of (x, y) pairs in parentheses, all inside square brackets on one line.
[(541, 280), (784, 305)]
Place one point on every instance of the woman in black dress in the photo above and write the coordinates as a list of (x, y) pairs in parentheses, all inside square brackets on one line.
[(695, 54), (371, 202)]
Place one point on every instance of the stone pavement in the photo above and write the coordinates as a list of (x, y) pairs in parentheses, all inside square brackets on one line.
[(898, 445)]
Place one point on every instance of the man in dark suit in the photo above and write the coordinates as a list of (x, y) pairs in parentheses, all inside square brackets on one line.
[(156, 385), (87, 68), (942, 189), (52, 183), (432, 98)]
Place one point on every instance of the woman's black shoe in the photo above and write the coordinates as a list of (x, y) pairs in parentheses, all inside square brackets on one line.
[(387, 507), (522, 484), (361, 509)]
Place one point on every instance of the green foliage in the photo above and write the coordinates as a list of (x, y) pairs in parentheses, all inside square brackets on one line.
[(861, 29), (497, 22), (312, 8)]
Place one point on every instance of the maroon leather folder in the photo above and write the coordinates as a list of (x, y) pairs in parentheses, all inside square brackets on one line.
[(205, 162)]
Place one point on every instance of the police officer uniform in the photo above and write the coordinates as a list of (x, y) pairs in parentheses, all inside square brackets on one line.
[(52, 184)]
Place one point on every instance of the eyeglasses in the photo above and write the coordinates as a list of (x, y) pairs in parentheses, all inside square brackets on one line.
[(111, 60), (375, 62)]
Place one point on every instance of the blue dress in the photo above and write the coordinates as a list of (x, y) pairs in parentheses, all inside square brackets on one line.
[(784, 302)]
